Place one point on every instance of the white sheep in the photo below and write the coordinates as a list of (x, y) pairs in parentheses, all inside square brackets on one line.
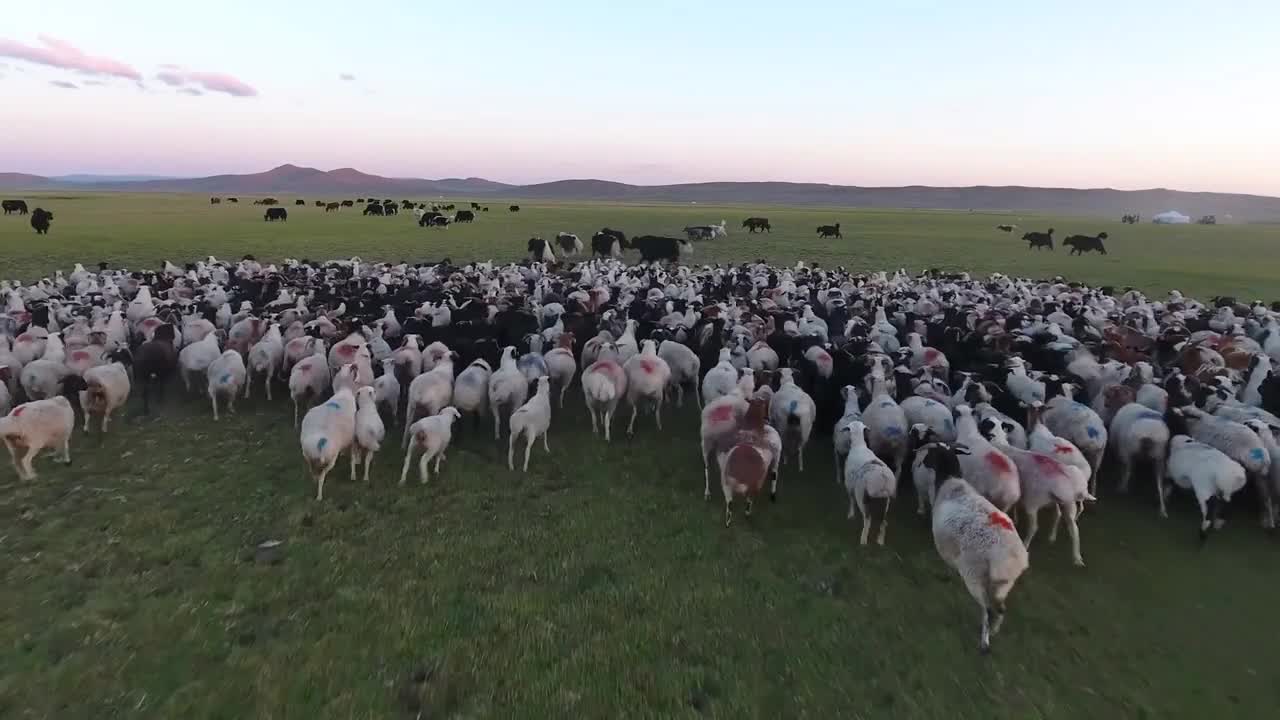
[(194, 359), (685, 368), (976, 539), (508, 388), (720, 379), (471, 389), (866, 477), (34, 426), (1140, 435), (1079, 425), (6, 399), (309, 378), (932, 413), (226, 375), (647, 378), (328, 430), (840, 442), (1238, 441), (369, 433), (531, 420), (431, 435), (265, 358), (386, 389), (888, 426), (561, 365), (429, 393), (762, 358), (1207, 472), (604, 383), (985, 467), (792, 412), (1016, 432), (107, 390), (720, 420), (42, 379), (922, 475)]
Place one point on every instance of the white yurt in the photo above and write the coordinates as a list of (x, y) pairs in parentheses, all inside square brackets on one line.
[(1171, 217)]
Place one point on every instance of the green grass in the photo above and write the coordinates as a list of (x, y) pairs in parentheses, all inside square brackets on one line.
[(601, 584)]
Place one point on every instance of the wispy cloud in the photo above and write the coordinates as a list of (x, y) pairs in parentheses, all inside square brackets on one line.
[(346, 76), (93, 82), (190, 91), (60, 54), (64, 84), (210, 81)]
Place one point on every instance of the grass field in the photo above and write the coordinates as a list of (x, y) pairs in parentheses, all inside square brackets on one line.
[(599, 585)]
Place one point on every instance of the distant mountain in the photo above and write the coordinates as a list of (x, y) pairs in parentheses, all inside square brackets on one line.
[(349, 182), (84, 179)]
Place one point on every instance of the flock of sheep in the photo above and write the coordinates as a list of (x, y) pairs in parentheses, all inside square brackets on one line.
[(991, 394)]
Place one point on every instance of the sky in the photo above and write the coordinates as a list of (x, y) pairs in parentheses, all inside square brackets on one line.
[(1129, 94)]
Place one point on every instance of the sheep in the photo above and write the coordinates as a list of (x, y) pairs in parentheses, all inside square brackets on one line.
[(560, 364), (369, 431), (604, 383), (720, 379), (6, 399), (309, 378), (1079, 425), (685, 368), (508, 388), (720, 420), (33, 426), (1028, 392), (432, 435), (328, 430), (265, 358), (107, 390), (531, 420), (840, 442), (986, 468), (1014, 429), (1238, 441), (762, 358), (1207, 472), (627, 345), (194, 359), (226, 375), (1139, 434), (42, 379), (387, 389), (746, 456), (1045, 481), (471, 389), (865, 477), (887, 424), (792, 412), (408, 359), (932, 413), (429, 393), (156, 360), (1270, 491), (1041, 440), (921, 474), (647, 377), (975, 538)]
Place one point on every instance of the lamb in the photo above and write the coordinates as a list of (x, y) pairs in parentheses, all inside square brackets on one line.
[(1140, 435), (986, 468), (508, 388), (34, 426), (226, 375), (1237, 441), (471, 389), (745, 457), (647, 378), (432, 435), (866, 477), (328, 430), (107, 390), (604, 382), (309, 379), (387, 389), (369, 431), (720, 379), (265, 358), (430, 392), (1207, 472), (531, 420), (1046, 481), (975, 538), (792, 412), (560, 364), (685, 368), (194, 359), (888, 425), (1080, 426)]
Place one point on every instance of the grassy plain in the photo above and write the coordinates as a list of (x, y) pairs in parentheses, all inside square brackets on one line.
[(599, 585)]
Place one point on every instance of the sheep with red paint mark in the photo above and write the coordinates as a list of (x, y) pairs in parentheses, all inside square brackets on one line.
[(746, 457), (34, 426), (985, 467), (309, 379), (647, 378), (604, 383)]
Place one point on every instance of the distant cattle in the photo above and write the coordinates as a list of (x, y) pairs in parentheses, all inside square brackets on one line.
[(484, 209), (269, 201), (407, 205), (448, 208), (276, 213), (1208, 220), (320, 203), (1006, 228), (540, 249), (215, 201), (40, 220), (299, 201), (464, 216), (426, 216), (606, 245), (373, 209), (233, 200), (1131, 218), (475, 206), (389, 209), (569, 243), (360, 200), (438, 221), (1039, 239), (333, 206), (756, 224), (1081, 244), (513, 208), (388, 201), (12, 206), (827, 231), (655, 248), (348, 203), (616, 234), (705, 232)]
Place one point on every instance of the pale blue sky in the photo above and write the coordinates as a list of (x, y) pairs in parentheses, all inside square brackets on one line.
[(1121, 94)]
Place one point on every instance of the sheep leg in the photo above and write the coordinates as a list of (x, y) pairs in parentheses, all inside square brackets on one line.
[(800, 455), (527, 449), (214, 399), (439, 457), (368, 463), (607, 420), (1125, 471), (410, 414), (355, 460), (592, 412), (631, 427), (657, 412), (106, 417), (1160, 492), (27, 472), (248, 384), (1268, 508), (866, 517), (271, 372), (544, 443), (679, 395), (511, 451), (320, 478), (424, 468), (404, 471), (1057, 518), (1073, 530), (497, 424), (777, 475), (728, 504), (563, 388), (984, 643), (295, 412), (884, 522), (1033, 524)]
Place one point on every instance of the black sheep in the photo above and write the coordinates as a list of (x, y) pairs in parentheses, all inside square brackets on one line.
[(156, 360)]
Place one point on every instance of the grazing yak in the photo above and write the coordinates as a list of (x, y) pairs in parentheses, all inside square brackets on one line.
[(426, 217), (389, 208), (705, 232), (274, 214), (215, 201), (299, 201), (320, 203), (438, 221), (233, 199), (606, 244), (40, 219), (1081, 244), (348, 203), (514, 208), (828, 231), (464, 216), (757, 224), (373, 209), (654, 248), (484, 209), (12, 206), (1006, 228), (330, 207), (540, 249), (407, 205), (1039, 239), (569, 243), (475, 206)]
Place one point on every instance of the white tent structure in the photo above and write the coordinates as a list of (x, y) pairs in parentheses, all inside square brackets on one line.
[(1171, 217)]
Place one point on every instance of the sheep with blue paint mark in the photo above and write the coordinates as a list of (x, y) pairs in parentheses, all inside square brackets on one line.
[(1080, 426), (1140, 436), (792, 412), (328, 430), (888, 426), (1270, 491), (932, 413), (1236, 440), (226, 377)]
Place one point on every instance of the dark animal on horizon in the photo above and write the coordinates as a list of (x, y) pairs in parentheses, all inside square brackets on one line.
[(827, 231), (373, 209), (12, 206), (1006, 228), (320, 203), (1039, 239), (440, 221), (484, 209), (348, 203), (757, 224), (390, 209), (654, 248), (605, 244), (427, 217), (1081, 244), (448, 208), (269, 201), (215, 201), (333, 206), (299, 201), (360, 200), (233, 200), (407, 205), (464, 216), (475, 206), (540, 250), (1208, 220), (1131, 218), (569, 243), (274, 214), (514, 208), (40, 219)]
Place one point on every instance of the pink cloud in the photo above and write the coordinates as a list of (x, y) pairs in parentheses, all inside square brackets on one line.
[(59, 54), (212, 82)]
